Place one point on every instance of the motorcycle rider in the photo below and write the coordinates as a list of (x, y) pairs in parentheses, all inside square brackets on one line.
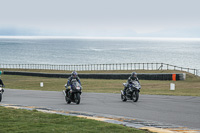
[(132, 78), (1, 84), (74, 75)]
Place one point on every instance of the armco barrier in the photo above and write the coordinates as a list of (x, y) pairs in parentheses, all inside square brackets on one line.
[(141, 76)]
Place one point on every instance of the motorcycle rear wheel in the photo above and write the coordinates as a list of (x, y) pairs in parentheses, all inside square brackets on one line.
[(123, 97), (67, 100)]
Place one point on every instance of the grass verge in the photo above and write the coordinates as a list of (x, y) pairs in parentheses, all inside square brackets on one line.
[(24, 121), (189, 87)]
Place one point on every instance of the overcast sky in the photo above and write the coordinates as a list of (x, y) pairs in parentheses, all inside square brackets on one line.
[(110, 18)]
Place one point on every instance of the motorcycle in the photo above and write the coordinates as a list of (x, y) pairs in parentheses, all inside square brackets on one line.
[(132, 91), (1, 92), (73, 93)]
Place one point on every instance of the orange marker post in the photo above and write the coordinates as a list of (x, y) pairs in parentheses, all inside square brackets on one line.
[(174, 77)]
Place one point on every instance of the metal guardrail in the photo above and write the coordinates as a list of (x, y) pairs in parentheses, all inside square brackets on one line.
[(142, 76), (91, 67)]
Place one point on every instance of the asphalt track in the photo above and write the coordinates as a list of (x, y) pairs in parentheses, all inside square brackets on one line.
[(177, 110)]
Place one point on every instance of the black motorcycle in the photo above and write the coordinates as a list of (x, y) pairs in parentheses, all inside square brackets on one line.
[(132, 92), (1, 92), (73, 92)]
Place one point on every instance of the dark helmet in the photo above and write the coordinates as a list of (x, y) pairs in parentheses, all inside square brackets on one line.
[(74, 73), (133, 74)]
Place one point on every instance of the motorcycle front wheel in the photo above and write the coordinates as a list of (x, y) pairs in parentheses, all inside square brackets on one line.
[(0, 96), (78, 98), (135, 96)]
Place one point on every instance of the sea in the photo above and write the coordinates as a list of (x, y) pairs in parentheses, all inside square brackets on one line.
[(87, 50)]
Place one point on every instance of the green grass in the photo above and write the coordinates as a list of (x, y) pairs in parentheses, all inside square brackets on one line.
[(189, 87), (24, 121)]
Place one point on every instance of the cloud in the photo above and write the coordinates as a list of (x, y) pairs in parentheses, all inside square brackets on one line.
[(12, 31), (99, 18)]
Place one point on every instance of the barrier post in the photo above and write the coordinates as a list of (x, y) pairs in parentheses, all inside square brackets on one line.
[(172, 86), (174, 77), (41, 84)]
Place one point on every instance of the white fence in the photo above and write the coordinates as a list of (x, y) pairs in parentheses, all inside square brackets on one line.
[(91, 67)]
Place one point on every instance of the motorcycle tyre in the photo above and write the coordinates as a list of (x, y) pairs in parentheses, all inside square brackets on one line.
[(0, 96), (67, 100), (136, 96), (78, 98), (123, 98)]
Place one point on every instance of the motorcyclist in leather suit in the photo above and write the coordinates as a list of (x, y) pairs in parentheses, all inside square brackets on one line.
[(74, 75), (132, 78), (1, 84)]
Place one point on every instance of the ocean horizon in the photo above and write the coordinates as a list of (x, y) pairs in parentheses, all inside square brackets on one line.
[(100, 37), (62, 50)]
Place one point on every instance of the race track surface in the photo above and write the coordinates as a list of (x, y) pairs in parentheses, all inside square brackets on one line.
[(177, 110)]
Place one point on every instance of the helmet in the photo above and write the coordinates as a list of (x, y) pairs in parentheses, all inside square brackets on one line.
[(133, 74), (74, 73)]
